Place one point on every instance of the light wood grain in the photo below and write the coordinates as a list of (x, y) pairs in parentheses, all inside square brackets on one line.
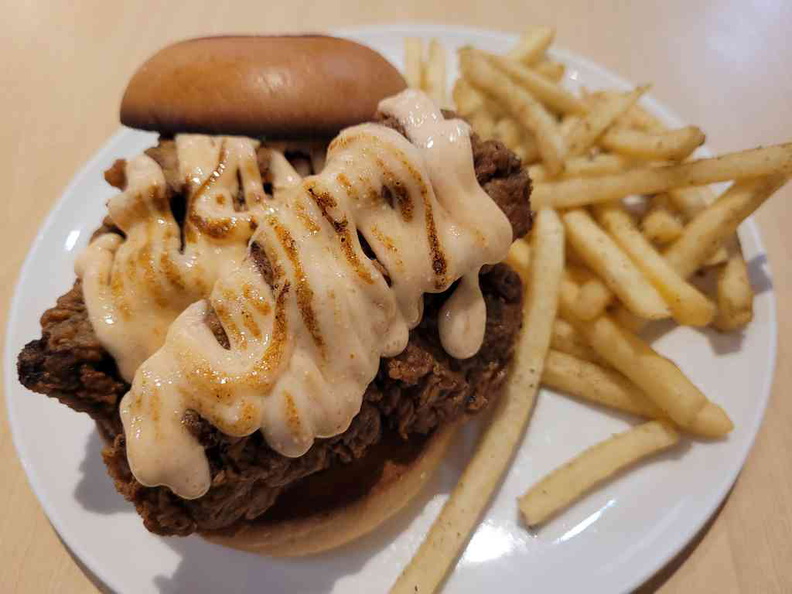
[(722, 64)]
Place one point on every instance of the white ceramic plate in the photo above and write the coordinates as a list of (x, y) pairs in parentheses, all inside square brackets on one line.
[(611, 541)]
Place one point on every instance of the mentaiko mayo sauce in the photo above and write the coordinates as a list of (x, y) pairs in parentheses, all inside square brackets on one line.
[(306, 335)]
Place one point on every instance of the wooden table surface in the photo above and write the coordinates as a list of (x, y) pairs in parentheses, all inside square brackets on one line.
[(721, 64)]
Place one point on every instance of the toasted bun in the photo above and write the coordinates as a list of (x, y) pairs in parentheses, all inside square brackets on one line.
[(344, 503), (280, 86)]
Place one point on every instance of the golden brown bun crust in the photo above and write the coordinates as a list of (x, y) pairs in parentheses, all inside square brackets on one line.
[(276, 86), (298, 532)]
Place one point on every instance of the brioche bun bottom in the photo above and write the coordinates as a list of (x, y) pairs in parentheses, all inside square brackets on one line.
[(339, 505)]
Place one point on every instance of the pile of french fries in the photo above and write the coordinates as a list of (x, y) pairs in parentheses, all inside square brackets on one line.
[(625, 218)]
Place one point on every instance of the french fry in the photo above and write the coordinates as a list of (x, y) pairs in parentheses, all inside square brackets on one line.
[(528, 151), (735, 295), (592, 467), (461, 513), (640, 119), (628, 320), (721, 256), (578, 307), (583, 166), (435, 73), (413, 62), (532, 45), (519, 258), (594, 383), (637, 117), (600, 117), (553, 71), (752, 163), (550, 94), (660, 225), (482, 123), (613, 266), (466, 99), (687, 304), (569, 293), (690, 201), (568, 122), (509, 133), (567, 339), (674, 145), (591, 150), (658, 377), (707, 232), (594, 297), (520, 105)]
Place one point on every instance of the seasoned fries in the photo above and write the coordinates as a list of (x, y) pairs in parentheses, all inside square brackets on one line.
[(602, 114), (520, 105), (687, 304), (595, 383), (429, 75), (721, 256), (483, 123), (707, 232), (638, 118), (672, 145), (467, 99), (461, 513), (752, 163), (553, 71), (616, 270), (571, 481), (690, 201), (551, 95), (593, 298), (528, 151), (568, 122), (568, 340), (595, 158), (413, 62), (660, 225), (735, 296), (519, 258), (435, 73), (659, 378), (583, 166), (592, 295), (509, 133), (532, 45)]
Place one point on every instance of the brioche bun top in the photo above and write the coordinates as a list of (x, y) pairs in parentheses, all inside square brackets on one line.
[(307, 86)]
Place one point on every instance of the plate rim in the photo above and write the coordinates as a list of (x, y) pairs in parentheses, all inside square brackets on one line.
[(627, 582)]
